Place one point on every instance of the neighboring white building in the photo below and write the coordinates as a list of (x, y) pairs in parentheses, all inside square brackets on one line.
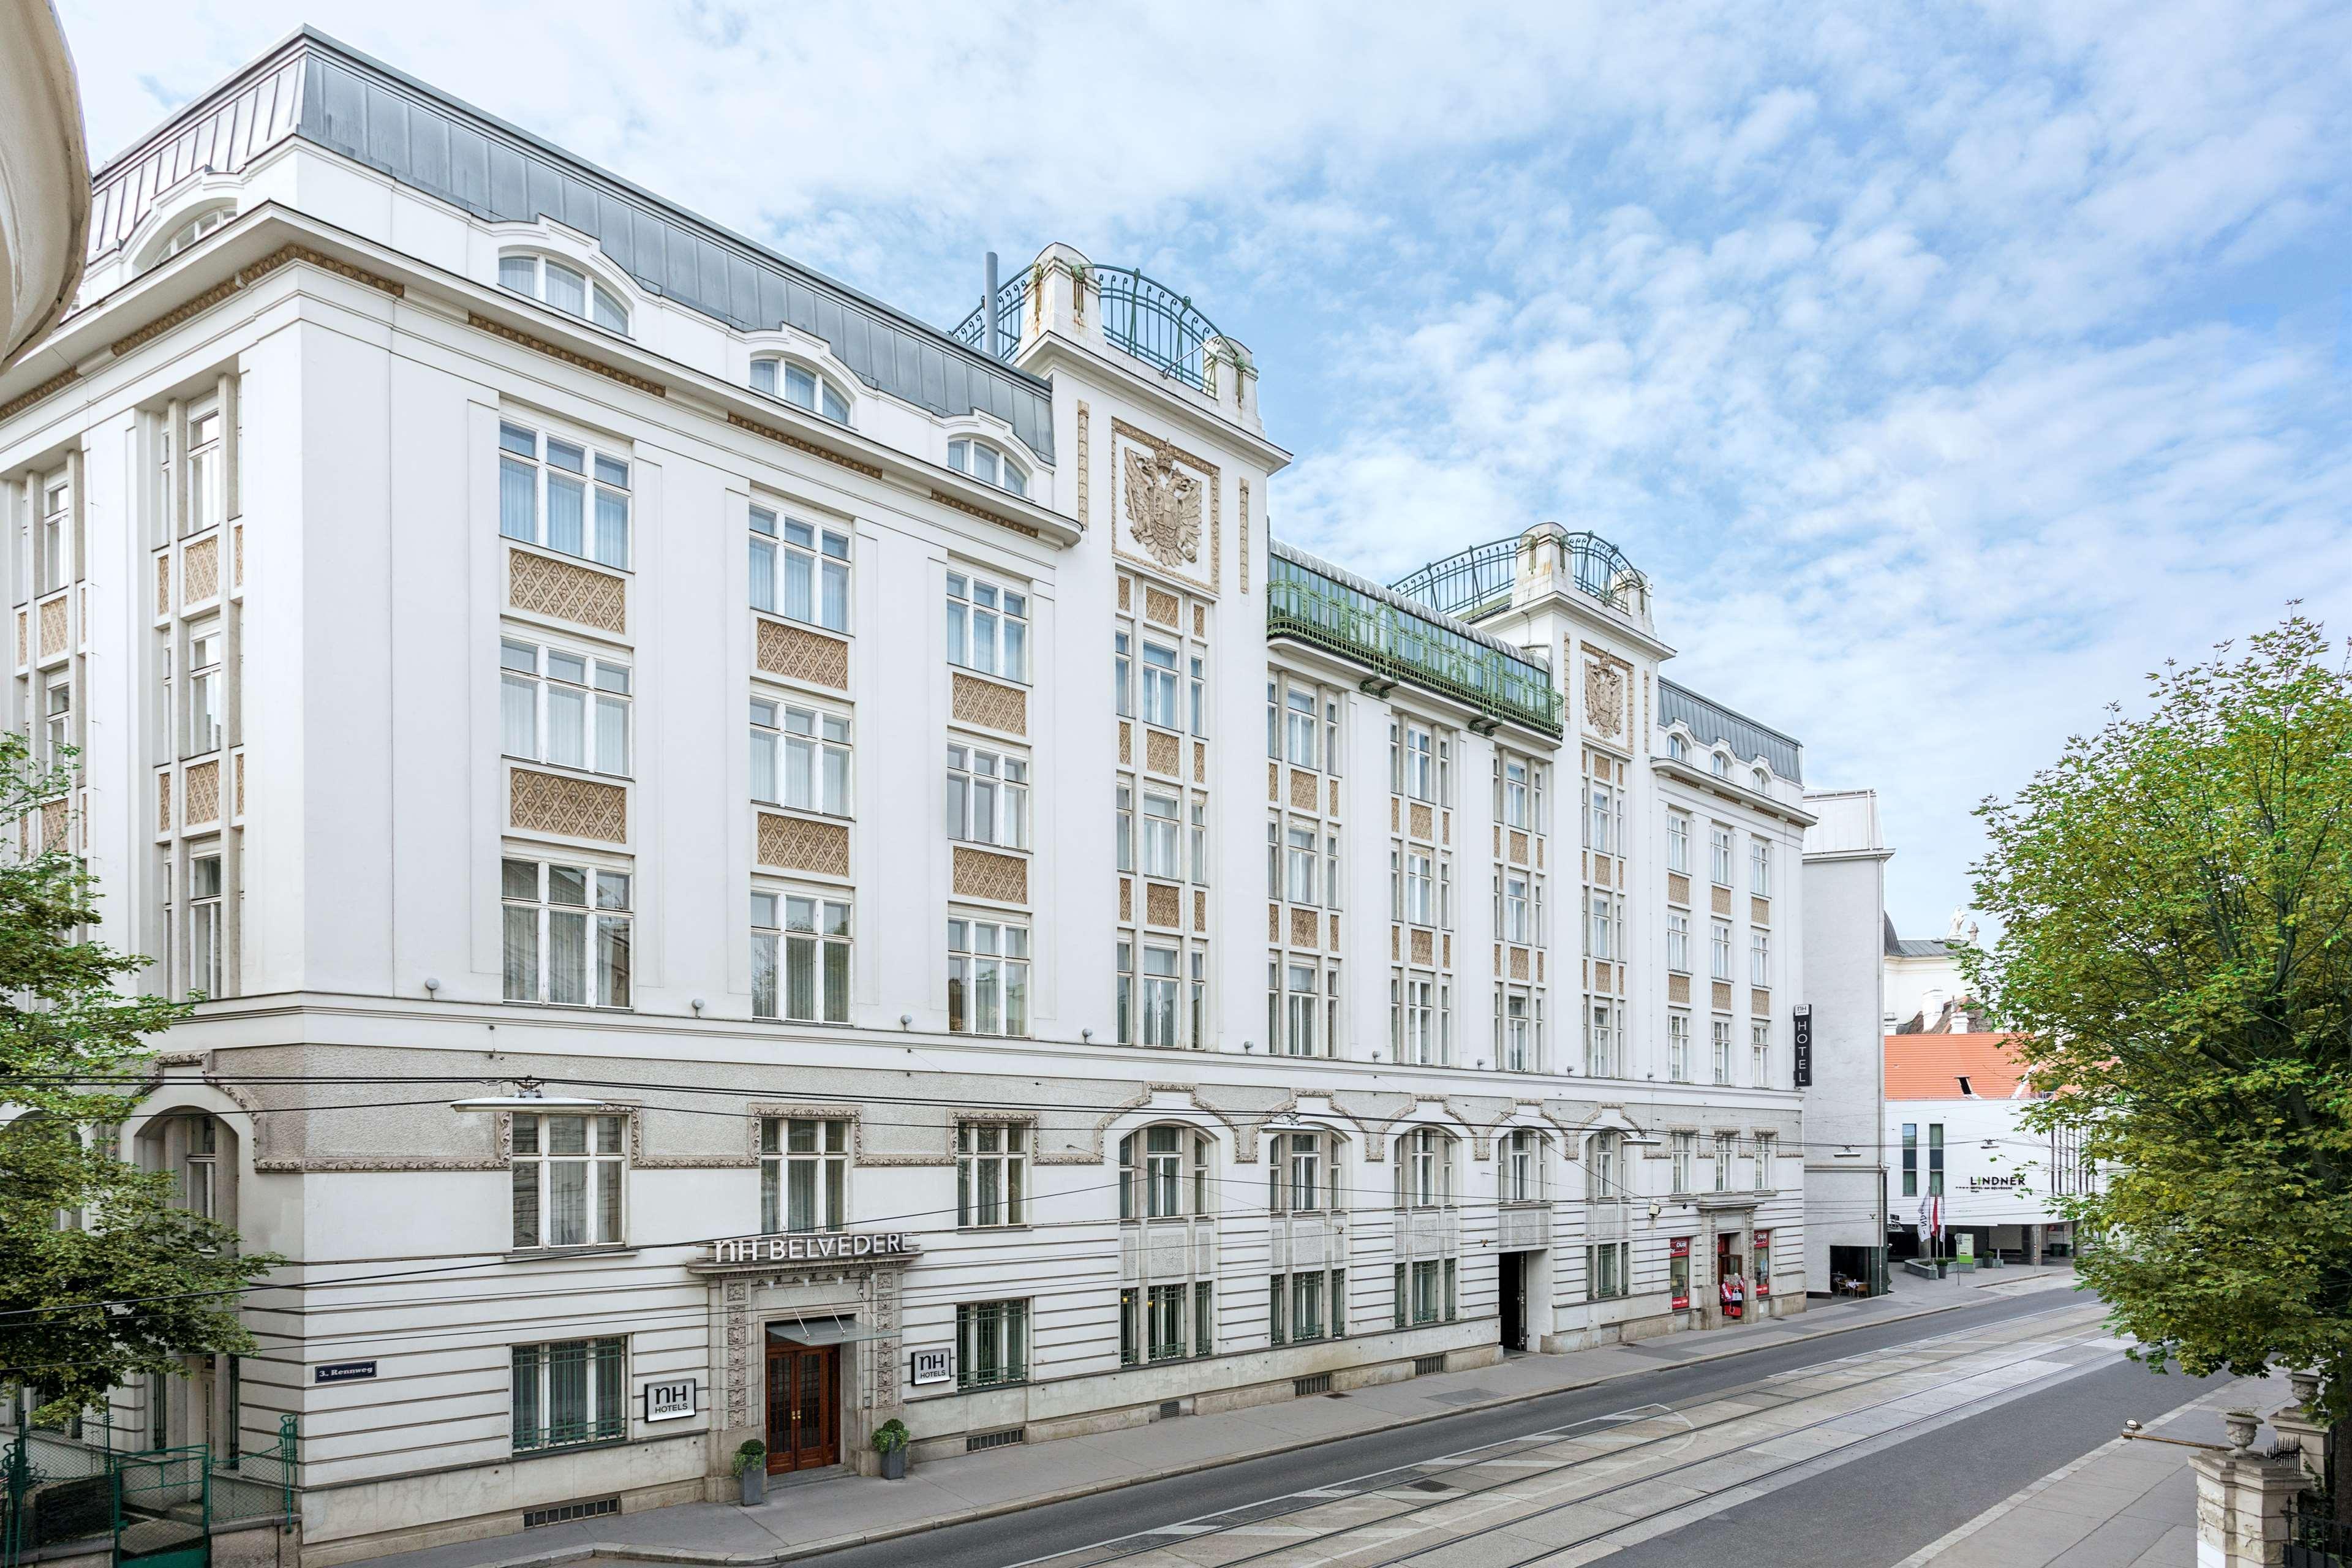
[(1925, 987), (1006, 944), (1846, 1204), (1953, 1131)]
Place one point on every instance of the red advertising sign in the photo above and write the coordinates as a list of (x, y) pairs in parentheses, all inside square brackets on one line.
[(1763, 1264), (1679, 1271)]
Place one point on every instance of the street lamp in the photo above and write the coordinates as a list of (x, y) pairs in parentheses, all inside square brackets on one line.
[(526, 1096)]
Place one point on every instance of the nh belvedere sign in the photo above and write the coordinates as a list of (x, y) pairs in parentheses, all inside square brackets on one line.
[(815, 1247)]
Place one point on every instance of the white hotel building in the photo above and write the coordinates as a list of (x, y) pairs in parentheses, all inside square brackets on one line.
[(979, 904)]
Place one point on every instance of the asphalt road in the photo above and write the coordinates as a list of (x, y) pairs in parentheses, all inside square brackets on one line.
[(1867, 1513)]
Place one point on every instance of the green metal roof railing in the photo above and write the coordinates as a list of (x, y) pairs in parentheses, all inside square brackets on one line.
[(1477, 581), (1365, 629)]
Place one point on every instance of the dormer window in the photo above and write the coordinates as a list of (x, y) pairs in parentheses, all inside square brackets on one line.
[(567, 289), (1677, 748), (1763, 780), (187, 233), (989, 466), (795, 385), (1719, 765)]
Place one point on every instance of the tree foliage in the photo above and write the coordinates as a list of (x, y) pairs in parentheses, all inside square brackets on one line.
[(78, 1225), (2175, 895)]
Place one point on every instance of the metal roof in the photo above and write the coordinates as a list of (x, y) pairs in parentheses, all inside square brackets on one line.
[(1712, 723), (333, 97)]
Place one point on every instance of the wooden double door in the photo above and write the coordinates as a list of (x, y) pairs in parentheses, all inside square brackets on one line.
[(804, 1406)]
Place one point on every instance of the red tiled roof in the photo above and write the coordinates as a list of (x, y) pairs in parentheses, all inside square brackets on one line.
[(1931, 1067)]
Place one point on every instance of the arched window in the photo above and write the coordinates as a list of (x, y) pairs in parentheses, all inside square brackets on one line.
[(1521, 1177), (1677, 748), (565, 288), (1163, 1173), (1719, 765), (1302, 1174), (988, 465), (1763, 779), (1604, 1167), (798, 384), (1424, 1171), (188, 232), (199, 1152)]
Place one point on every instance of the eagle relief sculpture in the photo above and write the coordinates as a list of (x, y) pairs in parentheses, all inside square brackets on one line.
[(1163, 505)]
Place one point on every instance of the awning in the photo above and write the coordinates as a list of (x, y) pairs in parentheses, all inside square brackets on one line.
[(825, 1330)]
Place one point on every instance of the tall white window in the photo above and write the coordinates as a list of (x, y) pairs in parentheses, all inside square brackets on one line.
[(800, 757), (1160, 835), (1519, 1019), (1760, 1054), (204, 925), (803, 1173), (991, 1172), (1678, 943), (1518, 793), (1765, 1147), (988, 977), (800, 958), (1418, 1030), (1608, 1270), (1604, 925), (1605, 1176), (199, 1186), (56, 717), (1298, 727), (566, 934), (1685, 1149), (1302, 1007), (1759, 868), (567, 289), (1159, 995), (52, 547), (800, 569), (565, 708), (1300, 861), (1425, 1169), (1759, 958), (1152, 1174), (1602, 1055), (205, 500), (1678, 832), (1719, 951), (1678, 1046), (1722, 1050), (1419, 762), (1726, 1148), (206, 709), (1522, 1173), (567, 1179), (1517, 925), (1601, 832), (988, 798), (1301, 1162), (798, 384), (987, 464), (562, 494), (988, 628), (1719, 851), (1159, 703)]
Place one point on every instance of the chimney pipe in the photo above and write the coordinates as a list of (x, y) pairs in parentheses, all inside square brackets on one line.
[(991, 336)]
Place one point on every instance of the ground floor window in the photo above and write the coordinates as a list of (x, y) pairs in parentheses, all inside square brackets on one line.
[(1424, 1292), (1763, 1264), (1608, 1270), (991, 1343), (1307, 1305), (1678, 1273), (1165, 1322), (568, 1392)]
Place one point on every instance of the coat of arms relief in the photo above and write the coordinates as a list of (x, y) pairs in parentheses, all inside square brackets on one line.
[(1163, 504), (1604, 700)]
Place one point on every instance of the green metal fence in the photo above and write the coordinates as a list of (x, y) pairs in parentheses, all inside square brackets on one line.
[(53, 1487), (1304, 603), (160, 1507)]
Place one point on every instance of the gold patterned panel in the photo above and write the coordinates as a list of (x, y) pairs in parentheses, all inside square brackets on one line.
[(1393, 817), (1305, 792), (24, 649), (800, 655), (1678, 989), (200, 570), (1424, 821), (543, 585), (1446, 827), (1518, 848), (1126, 592), (1335, 933), (1446, 946), (1200, 763), (1273, 922), (576, 809), (1677, 887), (1425, 949), (240, 783), (1127, 745), (1161, 752), (994, 706), (53, 825), (1199, 912), (162, 585), (1335, 798), (1200, 620), (796, 844), (1759, 1002), (1540, 966), (1518, 963), (1601, 870), (1540, 854), (979, 873), (1086, 431), (1722, 996), (1723, 901), (1160, 605), (1603, 979), (1305, 929), (1126, 899), (1273, 780), (164, 801), (1759, 911), (54, 617), (202, 785), (1244, 526), (236, 555), (1396, 945), (1162, 905)]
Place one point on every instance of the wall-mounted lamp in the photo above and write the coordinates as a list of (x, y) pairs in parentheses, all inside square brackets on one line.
[(1087, 1035), (432, 986), (906, 1020), (697, 1004)]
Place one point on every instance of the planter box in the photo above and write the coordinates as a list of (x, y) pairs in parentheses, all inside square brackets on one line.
[(894, 1464), (755, 1485)]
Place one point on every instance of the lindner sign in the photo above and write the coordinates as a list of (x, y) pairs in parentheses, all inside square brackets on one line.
[(817, 1247), (1803, 1054)]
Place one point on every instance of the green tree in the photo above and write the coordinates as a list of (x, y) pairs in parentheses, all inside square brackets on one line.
[(2174, 897), (78, 1225)]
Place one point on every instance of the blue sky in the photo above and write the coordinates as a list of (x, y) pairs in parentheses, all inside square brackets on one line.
[(1946, 368)]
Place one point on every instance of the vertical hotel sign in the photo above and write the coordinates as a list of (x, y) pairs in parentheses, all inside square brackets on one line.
[(1803, 1053)]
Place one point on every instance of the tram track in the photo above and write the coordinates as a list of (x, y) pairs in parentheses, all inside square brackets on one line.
[(1420, 1474)]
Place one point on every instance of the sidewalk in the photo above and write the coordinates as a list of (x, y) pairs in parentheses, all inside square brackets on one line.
[(2125, 1504), (805, 1518)]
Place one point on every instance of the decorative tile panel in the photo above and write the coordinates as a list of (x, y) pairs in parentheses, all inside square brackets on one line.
[(164, 801), (1127, 745), (1424, 822), (1678, 989), (1518, 963), (1126, 592), (200, 570), (982, 874), (240, 783), (1273, 780), (1759, 911), (1335, 798), (1722, 998), (23, 651), (162, 585), (1518, 848), (800, 655), (54, 823), (1605, 979), (1305, 929), (1200, 620), (1126, 899), (1425, 949), (1199, 912), (989, 705), (237, 554), (1161, 752), (1273, 922), (1759, 1002), (1677, 887), (542, 585), (1162, 906), (576, 809), (1200, 763), (54, 632), (1305, 792), (202, 785), (796, 844), (1160, 605), (1723, 901), (1335, 933)]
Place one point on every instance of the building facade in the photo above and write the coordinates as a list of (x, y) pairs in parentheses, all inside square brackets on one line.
[(1847, 1208), (1955, 1141), (753, 868)]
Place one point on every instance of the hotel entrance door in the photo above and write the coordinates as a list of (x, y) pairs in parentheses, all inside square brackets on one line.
[(804, 1406)]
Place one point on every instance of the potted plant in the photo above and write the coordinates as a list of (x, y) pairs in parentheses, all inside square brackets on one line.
[(752, 1471), (891, 1443)]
